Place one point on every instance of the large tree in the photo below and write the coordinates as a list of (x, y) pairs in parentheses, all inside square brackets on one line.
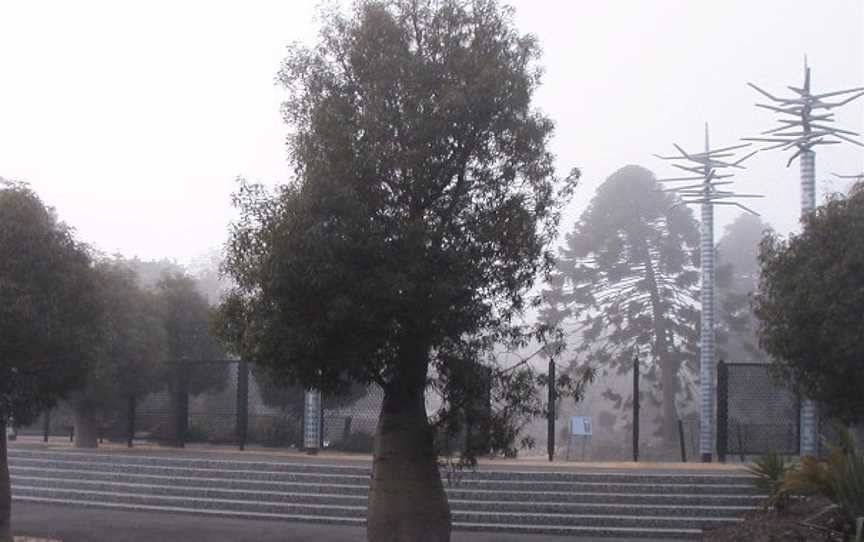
[(191, 347), (737, 280), (129, 359), (811, 291), (48, 307), (626, 282), (423, 200)]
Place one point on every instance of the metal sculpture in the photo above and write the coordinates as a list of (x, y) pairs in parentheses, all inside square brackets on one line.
[(705, 167), (804, 124), (856, 178)]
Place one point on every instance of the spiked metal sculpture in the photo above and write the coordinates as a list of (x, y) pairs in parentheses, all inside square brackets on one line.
[(856, 178), (704, 167), (805, 123)]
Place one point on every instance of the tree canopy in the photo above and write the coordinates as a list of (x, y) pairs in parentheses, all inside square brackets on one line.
[(129, 358), (423, 202), (737, 280), (186, 317), (48, 305), (809, 305), (626, 282)]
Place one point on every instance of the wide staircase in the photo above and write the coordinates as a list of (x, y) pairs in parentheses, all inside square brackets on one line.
[(587, 502)]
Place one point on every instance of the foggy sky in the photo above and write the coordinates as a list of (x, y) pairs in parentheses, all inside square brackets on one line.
[(133, 119)]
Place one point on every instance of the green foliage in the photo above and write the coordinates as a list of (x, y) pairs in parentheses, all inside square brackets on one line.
[(737, 278), (48, 305), (769, 473), (289, 399), (186, 320), (130, 353), (839, 479), (422, 207), (809, 306), (626, 281)]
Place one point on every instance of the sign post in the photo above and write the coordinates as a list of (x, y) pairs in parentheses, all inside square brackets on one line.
[(581, 429)]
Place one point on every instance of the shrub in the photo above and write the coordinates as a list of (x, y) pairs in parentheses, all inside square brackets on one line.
[(770, 472), (840, 479)]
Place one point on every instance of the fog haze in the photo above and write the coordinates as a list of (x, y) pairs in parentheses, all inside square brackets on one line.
[(133, 120)]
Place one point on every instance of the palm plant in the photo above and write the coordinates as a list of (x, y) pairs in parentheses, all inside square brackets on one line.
[(770, 472), (840, 479)]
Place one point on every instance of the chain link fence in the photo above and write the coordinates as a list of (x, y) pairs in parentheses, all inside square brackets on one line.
[(756, 413), (224, 402), (228, 402)]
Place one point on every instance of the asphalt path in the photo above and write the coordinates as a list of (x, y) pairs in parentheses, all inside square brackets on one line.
[(75, 524)]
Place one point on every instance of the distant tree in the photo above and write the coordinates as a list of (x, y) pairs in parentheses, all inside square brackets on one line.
[(809, 306), (186, 316), (626, 280), (737, 280), (205, 270), (150, 272), (423, 201), (48, 307), (129, 361), (191, 346)]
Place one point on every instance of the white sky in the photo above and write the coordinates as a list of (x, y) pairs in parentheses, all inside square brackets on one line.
[(134, 118)]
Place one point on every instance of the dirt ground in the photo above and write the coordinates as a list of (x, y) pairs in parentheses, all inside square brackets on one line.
[(776, 526)]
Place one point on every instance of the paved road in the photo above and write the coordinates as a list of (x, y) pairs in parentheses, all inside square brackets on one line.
[(72, 524)]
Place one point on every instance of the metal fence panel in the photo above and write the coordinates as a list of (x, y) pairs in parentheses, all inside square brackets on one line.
[(757, 414), (223, 402)]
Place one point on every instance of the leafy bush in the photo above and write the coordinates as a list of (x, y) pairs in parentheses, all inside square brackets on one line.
[(839, 479), (770, 472)]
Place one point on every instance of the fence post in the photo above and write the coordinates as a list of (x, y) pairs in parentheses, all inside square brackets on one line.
[(321, 421), (312, 421), (550, 437), (636, 408), (131, 428), (182, 400), (722, 410), (46, 425), (681, 440), (242, 403)]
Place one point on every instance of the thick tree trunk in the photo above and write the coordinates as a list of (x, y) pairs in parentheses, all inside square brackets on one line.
[(407, 502), (669, 383), (668, 369), (85, 423), (5, 490)]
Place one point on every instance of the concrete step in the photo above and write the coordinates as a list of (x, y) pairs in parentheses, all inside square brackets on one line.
[(527, 505), (193, 481), (126, 458), (574, 502), (299, 467), (359, 512), (85, 479), (748, 501), (578, 531), (308, 477)]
